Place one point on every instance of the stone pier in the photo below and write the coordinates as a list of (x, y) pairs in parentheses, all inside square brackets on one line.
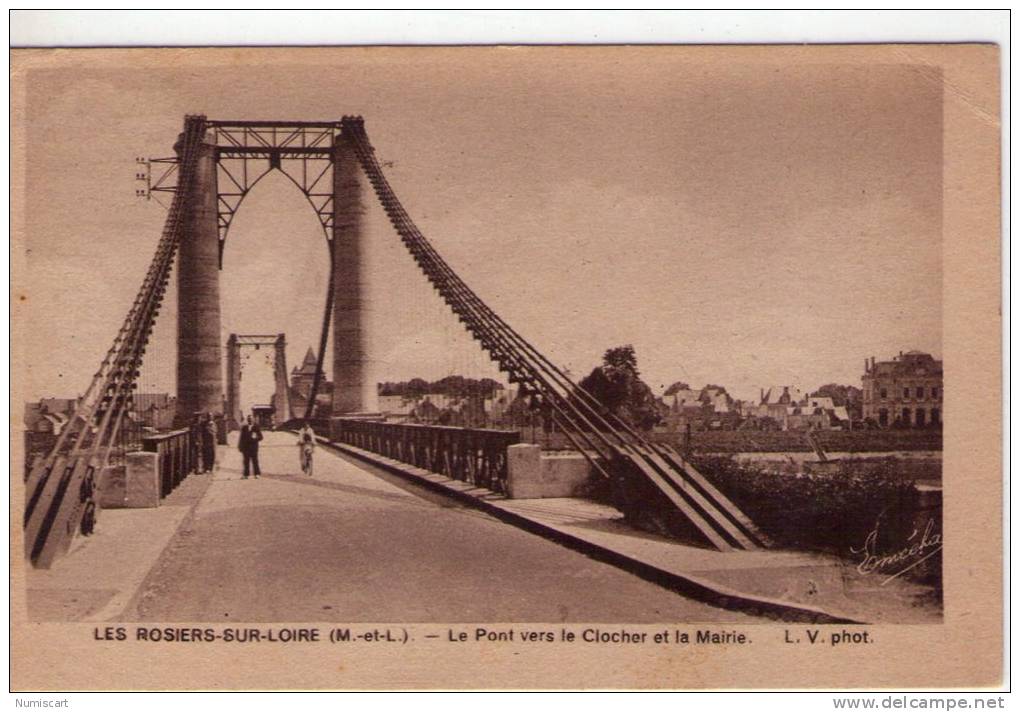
[(352, 390), (199, 357), (533, 474)]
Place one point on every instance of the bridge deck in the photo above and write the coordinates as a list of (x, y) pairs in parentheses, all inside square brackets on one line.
[(348, 545)]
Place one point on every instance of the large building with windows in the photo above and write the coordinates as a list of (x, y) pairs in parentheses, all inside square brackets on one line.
[(905, 392)]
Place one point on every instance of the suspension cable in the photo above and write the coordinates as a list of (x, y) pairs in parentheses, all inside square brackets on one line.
[(324, 336), (422, 248), (110, 389), (492, 340), (507, 347)]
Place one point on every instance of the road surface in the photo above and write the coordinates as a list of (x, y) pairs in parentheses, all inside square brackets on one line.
[(351, 545)]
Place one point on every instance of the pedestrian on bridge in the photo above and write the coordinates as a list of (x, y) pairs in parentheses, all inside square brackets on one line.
[(306, 445), (209, 443), (248, 444), (197, 427)]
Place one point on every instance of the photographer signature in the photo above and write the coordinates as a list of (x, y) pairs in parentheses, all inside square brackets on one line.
[(924, 544)]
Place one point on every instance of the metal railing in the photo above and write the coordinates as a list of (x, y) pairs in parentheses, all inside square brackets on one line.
[(478, 457), (178, 457)]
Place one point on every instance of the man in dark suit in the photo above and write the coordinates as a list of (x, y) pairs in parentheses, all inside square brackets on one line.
[(248, 444)]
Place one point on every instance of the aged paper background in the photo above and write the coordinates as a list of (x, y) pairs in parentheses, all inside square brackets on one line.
[(965, 650)]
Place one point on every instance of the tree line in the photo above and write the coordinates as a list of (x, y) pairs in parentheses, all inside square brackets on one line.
[(453, 386)]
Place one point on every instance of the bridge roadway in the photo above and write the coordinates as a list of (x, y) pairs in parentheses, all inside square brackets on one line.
[(352, 545)]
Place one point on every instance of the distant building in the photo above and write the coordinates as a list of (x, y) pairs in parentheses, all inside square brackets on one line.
[(775, 402), (710, 408), (790, 408), (717, 398), (904, 392), (48, 416), (465, 410), (497, 407), (44, 421), (823, 402), (154, 410), (397, 409), (815, 413), (302, 378), (683, 398)]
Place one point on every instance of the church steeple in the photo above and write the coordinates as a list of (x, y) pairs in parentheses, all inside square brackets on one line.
[(308, 365)]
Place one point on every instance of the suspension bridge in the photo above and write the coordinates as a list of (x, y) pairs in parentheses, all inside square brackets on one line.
[(333, 163)]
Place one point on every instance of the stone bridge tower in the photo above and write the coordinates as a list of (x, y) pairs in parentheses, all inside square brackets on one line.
[(199, 354), (200, 367)]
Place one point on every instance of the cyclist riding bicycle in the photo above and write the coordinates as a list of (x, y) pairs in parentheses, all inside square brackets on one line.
[(306, 445)]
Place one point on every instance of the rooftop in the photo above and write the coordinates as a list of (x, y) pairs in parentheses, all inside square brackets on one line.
[(911, 363), (308, 365)]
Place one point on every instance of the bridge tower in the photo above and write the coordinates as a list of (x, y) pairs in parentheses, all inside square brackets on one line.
[(299, 151), (281, 389), (199, 355), (352, 391)]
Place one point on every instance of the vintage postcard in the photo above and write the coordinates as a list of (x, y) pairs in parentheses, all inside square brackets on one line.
[(506, 368)]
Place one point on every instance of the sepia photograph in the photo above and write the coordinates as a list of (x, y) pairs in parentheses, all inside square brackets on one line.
[(605, 352)]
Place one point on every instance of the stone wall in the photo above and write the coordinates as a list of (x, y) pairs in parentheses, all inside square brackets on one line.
[(533, 474), (135, 484)]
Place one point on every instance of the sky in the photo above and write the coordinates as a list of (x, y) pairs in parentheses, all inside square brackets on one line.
[(741, 218)]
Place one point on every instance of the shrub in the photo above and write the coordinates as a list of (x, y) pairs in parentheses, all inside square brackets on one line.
[(832, 512)]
